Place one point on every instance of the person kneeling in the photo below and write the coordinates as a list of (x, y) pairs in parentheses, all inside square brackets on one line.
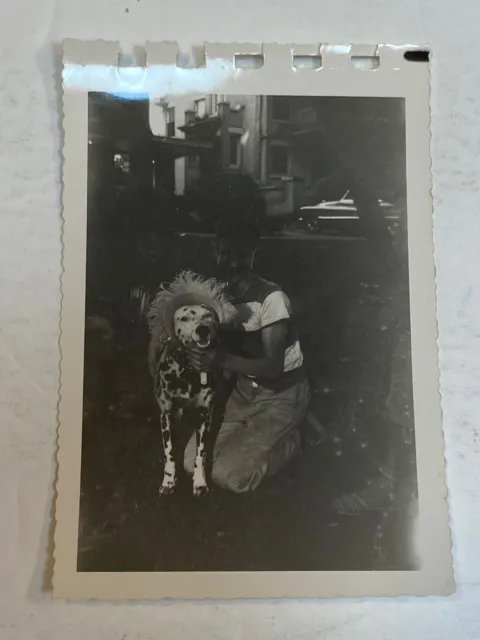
[(260, 429)]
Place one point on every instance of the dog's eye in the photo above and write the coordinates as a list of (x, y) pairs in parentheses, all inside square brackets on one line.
[(184, 319)]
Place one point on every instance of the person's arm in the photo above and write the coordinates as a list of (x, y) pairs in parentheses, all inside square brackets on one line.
[(275, 317), (270, 365)]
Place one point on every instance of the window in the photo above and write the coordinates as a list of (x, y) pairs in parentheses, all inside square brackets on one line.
[(192, 161), (281, 108), (306, 116), (235, 150), (279, 158), (170, 117), (214, 104), (200, 108)]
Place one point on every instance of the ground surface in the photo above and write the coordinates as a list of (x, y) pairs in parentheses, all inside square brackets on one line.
[(287, 524)]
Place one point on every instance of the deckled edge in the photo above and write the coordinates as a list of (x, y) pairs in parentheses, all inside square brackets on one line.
[(82, 60), (72, 52), (442, 475), (58, 440), (445, 472)]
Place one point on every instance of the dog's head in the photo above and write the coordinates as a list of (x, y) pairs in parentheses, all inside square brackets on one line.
[(189, 310), (195, 326)]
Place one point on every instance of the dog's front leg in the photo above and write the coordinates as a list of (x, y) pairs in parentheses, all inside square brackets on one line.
[(169, 471), (200, 486)]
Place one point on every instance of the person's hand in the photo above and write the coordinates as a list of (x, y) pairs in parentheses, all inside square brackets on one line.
[(203, 360)]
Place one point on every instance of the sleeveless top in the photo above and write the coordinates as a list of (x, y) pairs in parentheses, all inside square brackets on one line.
[(263, 304)]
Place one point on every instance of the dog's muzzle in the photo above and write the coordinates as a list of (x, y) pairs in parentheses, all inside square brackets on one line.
[(204, 337)]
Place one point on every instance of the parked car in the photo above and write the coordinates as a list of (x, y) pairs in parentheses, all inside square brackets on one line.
[(338, 217)]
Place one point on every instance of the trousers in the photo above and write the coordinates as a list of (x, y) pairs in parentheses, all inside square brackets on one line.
[(258, 436)]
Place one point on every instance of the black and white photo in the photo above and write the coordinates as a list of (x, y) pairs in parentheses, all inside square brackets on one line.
[(248, 379)]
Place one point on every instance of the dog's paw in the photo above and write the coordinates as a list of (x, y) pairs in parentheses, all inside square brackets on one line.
[(167, 488), (200, 491)]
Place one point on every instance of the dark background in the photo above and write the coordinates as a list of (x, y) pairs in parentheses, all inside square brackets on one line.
[(349, 292)]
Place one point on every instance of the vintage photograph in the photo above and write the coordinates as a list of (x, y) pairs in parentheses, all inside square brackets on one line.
[(247, 380)]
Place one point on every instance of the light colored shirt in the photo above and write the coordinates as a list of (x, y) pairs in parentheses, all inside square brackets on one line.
[(263, 305)]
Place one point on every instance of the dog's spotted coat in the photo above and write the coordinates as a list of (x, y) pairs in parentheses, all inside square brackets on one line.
[(176, 386)]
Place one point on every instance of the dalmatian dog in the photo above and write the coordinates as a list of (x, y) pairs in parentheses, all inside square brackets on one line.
[(187, 314)]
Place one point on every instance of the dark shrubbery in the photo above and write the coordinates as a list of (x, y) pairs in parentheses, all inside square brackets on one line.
[(226, 194)]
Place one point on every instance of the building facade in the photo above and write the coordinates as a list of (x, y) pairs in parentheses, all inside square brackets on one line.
[(293, 146)]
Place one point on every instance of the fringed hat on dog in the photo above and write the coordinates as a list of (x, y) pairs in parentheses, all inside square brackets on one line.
[(187, 289)]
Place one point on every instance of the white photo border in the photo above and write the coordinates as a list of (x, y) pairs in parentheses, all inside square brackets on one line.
[(93, 66)]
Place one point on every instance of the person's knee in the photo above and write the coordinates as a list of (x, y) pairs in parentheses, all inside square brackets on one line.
[(239, 475), (234, 477)]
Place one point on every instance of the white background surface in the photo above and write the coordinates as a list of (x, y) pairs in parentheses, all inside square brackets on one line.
[(30, 253)]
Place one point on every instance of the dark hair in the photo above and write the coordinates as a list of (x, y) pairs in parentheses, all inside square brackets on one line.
[(235, 195)]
